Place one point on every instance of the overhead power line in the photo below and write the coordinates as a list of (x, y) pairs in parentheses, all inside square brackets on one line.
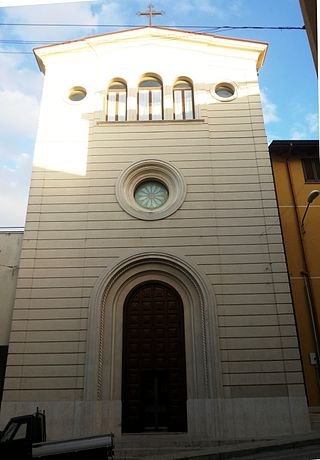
[(25, 42), (215, 29), (189, 26), (16, 52)]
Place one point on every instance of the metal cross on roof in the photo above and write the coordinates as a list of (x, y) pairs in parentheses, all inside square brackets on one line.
[(151, 12)]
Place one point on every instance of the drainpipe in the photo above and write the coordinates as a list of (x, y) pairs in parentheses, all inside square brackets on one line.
[(306, 277), (312, 312)]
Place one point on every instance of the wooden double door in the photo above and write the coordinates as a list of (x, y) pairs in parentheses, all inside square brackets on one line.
[(154, 389)]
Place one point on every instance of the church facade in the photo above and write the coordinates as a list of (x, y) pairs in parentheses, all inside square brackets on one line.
[(152, 294)]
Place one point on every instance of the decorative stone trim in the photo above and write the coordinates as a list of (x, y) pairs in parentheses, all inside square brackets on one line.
[(151, 170), (228, 85), (104, 346)]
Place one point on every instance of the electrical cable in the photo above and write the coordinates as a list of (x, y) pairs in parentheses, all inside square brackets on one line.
[(190, 26), (207, 29)]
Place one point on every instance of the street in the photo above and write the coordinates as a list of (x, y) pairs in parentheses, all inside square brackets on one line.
[(298, 453)]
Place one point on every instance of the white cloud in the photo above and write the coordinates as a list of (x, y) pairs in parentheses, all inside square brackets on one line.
[(203, 6), (236, 6), (111, 13), (308, 129), (14, 186), (269, 108), (20, 89), (297, 134), (70, 13), (35, 2), (66, 13), (312, 120), (216, 8), (20, 116), (16, 73)]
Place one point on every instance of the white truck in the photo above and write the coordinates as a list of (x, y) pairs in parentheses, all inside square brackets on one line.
[(24, 437)]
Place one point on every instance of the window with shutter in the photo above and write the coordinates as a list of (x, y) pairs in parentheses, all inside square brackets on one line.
[(311, 169), (150, 99), (183, 100), (117, 102)]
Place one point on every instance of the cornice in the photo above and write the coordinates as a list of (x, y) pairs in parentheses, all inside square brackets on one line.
[(94, 43)]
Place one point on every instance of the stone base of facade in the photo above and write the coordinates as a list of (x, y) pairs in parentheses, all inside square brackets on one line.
[(248, 418), (214, 419)]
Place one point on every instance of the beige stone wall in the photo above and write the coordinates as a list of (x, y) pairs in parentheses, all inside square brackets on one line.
[(227, 230), (10, 246)]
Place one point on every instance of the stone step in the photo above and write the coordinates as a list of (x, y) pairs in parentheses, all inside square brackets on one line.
[(120, 456), (155, 441), (169, 445), (164, 446), (127, 453), (314, 413)]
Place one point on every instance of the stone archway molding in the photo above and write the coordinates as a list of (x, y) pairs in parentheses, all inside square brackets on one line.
[(104, 342)]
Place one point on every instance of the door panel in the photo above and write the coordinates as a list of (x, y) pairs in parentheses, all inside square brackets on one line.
[(154, 371)]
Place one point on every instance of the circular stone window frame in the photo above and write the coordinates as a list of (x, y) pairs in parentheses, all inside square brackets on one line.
[(147, 170), (74, 89), (229, 84)]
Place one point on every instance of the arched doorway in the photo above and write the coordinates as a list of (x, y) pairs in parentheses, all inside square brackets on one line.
[(154, 391)]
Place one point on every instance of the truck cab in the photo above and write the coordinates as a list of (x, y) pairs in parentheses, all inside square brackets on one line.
[(21, 432)]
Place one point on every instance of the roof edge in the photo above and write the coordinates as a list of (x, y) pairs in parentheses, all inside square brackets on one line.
[(260, 60), (294, 147)]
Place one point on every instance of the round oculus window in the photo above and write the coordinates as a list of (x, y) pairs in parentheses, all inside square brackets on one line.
[(151, 194), (77, 93), (150, 189), (224, 91)]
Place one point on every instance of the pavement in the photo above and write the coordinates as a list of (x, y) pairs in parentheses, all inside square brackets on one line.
[(298, 453), (296, 447)]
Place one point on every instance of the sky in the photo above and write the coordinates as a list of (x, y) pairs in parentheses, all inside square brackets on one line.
[(288, 79)]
